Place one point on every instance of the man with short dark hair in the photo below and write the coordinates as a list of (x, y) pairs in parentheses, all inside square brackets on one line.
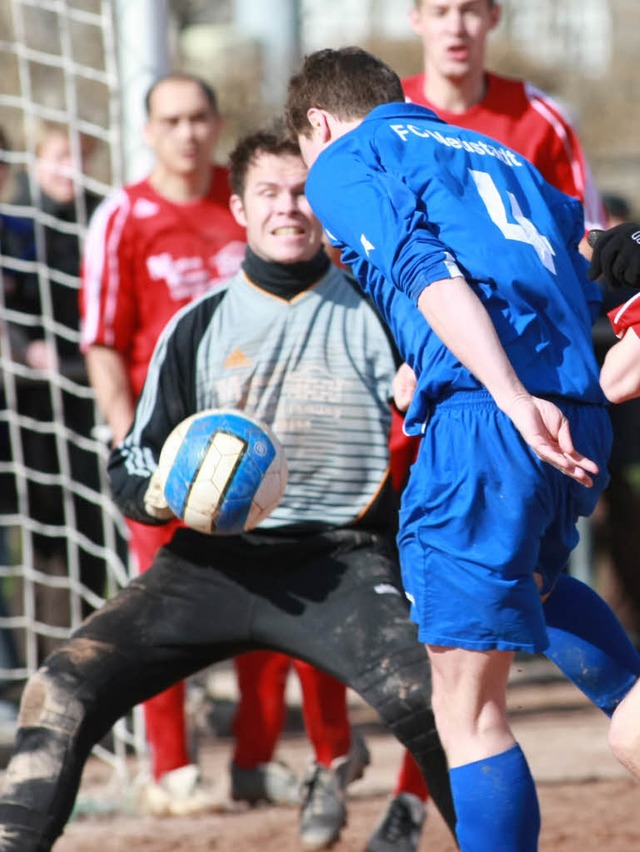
[(472, 260), (456, 84), (292, 341)]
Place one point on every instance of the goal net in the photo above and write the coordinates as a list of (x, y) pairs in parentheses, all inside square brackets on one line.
[(62, 541)]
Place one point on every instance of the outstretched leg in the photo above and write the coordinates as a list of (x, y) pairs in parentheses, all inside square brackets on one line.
[(588, 643), (67, 706), (590, 646), (260, 714), (326, 715), (350, 594), (400, 690), (494, 793), (156, 632)]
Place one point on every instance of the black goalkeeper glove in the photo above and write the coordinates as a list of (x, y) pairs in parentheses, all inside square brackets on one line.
[(616, 255)]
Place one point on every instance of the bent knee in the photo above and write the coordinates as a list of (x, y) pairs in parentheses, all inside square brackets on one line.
[(624, 732), (55, 696), (624, 742), (48, 702)]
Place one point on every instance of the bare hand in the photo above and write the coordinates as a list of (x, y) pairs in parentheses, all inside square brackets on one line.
[(41, 356), (545, 428), (403, 387)]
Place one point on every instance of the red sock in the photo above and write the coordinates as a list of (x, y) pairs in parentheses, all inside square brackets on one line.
[(261, 710), (410, 778), (164, 714), (326, 717), (166, 730)]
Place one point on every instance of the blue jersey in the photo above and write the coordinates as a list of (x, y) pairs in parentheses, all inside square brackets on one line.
[(411, 200)]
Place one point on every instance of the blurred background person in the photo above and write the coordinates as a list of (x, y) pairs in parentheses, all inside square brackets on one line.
[(617, 209), (8, 648), (56, 417)]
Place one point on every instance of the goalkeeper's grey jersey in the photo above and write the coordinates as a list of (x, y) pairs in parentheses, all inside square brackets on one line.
[(317, 368)]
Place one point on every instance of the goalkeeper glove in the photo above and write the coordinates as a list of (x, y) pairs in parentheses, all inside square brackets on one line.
[(616, 255), (154, 502)]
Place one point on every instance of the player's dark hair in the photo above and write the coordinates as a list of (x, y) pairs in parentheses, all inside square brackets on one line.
[(273, 139), (348, 83), (616, 206), (177, 77)]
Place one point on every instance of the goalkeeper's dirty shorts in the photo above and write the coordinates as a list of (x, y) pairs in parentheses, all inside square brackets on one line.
[(333, 599)]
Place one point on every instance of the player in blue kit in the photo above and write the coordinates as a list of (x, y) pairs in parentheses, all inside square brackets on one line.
[(472, 259), (291, 340)]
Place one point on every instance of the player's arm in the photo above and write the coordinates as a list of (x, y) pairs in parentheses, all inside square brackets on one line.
[(459, 319), (168, 396), (403, 387), (109, 379), (108, 311), (133, 461), (620, 374)]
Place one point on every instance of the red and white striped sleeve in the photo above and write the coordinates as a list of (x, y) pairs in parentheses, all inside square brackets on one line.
[(566, 161), (626, 316), (107, 270)]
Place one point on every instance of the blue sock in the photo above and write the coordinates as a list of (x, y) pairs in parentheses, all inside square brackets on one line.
[(588, 643), (496, 804)]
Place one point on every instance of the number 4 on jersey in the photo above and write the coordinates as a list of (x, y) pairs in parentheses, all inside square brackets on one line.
[(523, 230)]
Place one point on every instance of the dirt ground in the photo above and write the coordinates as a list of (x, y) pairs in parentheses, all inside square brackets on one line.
[(588, 801)]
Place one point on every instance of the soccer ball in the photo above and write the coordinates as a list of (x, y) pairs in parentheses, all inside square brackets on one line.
[(222, 472)]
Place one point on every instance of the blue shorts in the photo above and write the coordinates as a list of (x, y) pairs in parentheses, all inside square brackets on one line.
[(481, 513)]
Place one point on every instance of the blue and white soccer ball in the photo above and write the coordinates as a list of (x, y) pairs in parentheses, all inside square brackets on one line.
[(222, 471)]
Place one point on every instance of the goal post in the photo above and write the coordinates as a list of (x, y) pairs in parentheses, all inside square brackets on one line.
[(143, 54), (83, 66)]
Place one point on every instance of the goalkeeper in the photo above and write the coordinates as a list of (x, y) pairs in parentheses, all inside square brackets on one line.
[(291, 340)]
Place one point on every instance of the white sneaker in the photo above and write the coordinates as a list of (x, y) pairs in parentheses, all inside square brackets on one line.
[(178, 793), (324, 813)]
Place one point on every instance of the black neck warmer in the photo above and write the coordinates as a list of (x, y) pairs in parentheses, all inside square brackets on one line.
[(285, 280)]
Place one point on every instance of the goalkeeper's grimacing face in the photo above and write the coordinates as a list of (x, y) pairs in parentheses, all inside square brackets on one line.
[(182, 129), (281, 227)]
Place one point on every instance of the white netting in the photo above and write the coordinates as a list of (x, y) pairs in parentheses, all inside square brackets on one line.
[(62, 547)]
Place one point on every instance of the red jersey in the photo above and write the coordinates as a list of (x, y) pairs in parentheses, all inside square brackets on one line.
[(626, 316), (522, 117), (145, 258)]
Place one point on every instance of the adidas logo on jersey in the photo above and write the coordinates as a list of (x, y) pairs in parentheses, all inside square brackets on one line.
[(144, 208), (236, 359)]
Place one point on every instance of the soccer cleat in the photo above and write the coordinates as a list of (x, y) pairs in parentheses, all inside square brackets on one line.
[(178, 793), (272, 782), (323, 812), (400, 828), (351, 767)]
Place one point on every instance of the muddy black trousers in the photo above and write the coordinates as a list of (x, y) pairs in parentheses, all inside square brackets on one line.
[(333, 599)]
